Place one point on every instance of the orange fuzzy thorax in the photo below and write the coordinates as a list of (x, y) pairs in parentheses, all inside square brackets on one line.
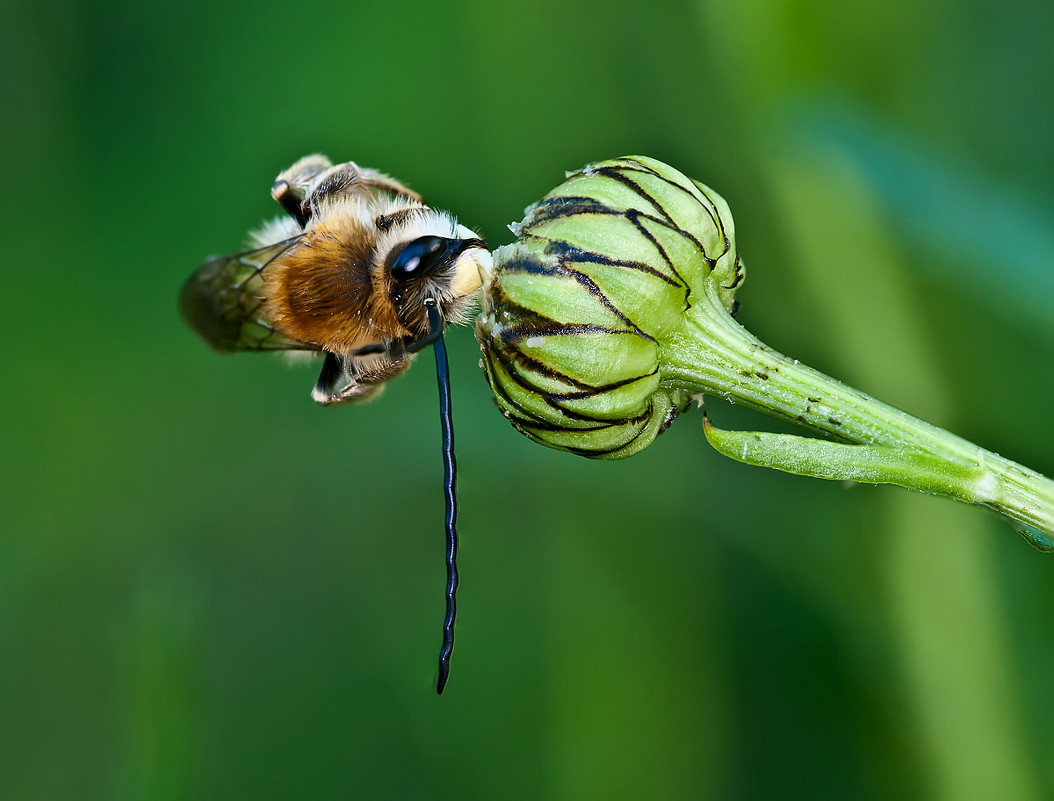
[(329, 292)]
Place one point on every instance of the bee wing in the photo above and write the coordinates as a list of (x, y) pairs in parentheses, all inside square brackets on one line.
[(221, 301)]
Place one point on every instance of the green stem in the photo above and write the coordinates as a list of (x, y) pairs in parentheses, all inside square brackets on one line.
[(714, 355)]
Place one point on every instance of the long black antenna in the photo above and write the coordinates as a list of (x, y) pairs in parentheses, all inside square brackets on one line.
[(446, 419)]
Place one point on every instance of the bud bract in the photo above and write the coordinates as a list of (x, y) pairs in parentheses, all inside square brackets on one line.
[(577, 310)]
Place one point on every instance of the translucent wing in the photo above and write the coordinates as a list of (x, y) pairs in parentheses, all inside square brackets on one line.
[(221, 301)]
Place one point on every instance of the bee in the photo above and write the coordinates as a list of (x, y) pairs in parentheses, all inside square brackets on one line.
[(361, 271)]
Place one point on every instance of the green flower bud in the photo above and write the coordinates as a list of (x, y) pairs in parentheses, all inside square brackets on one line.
[(614, 309), (577, 311)]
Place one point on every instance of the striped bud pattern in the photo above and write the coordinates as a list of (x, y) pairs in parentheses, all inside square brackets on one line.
[(576, 311)]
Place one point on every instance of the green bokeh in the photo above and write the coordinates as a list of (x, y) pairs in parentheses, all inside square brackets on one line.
[(211, 588)]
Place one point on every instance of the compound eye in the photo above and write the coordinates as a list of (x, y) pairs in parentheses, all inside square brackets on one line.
[(419, 257)]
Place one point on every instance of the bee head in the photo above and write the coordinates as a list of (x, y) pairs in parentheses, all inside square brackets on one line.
[(434, 258)]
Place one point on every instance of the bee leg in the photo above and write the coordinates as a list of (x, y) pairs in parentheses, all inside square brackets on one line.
[(348, 179), (292, 185), (434, 333), (304, 186), (288, 200), (337, 384), (304, 172), (328, 387), (378, 180)]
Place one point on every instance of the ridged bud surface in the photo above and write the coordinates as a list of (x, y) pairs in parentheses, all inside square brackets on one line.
[(576, 311)]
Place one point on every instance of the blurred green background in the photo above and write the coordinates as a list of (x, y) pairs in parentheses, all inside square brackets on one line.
[(211, 588)]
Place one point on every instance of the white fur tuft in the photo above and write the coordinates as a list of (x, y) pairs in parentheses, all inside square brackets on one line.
[(274, 231)]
